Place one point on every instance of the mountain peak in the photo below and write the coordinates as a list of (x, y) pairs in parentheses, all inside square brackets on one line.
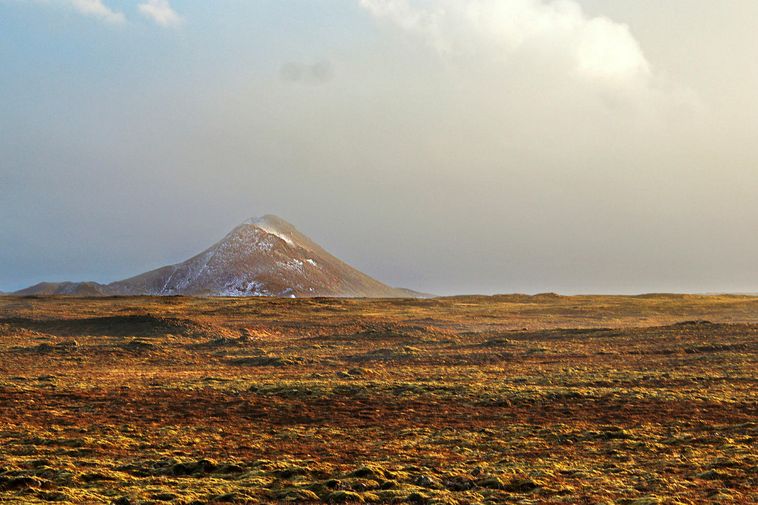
[(274, 225), (267, 220)]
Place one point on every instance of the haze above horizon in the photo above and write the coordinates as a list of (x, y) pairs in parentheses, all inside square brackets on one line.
[(449, 147)]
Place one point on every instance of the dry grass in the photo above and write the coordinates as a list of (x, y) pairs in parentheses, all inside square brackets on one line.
[(513, 399)]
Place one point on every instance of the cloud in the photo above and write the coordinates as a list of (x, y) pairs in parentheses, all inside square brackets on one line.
[(317, 73), (592, 47), (96, 8), (160, 12)]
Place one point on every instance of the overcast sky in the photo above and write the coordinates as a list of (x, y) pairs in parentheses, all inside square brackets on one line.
[(448, 146)]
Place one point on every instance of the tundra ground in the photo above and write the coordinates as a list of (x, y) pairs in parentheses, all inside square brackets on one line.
[(507, 399)]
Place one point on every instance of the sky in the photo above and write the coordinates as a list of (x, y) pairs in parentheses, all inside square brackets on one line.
[(448, 146)]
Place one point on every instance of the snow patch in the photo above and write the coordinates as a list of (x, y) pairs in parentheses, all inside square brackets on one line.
[(244, 288), (292, 264)]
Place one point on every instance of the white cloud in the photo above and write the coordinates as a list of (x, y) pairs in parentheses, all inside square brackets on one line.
[(96, 8), (593, 47), (160, 11)]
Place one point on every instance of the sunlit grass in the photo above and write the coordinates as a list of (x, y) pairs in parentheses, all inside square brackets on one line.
[(465, 400)]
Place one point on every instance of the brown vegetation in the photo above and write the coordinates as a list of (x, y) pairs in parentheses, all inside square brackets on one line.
[(508, 399)]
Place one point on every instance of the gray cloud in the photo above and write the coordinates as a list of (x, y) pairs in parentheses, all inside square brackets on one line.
[(316, 73)]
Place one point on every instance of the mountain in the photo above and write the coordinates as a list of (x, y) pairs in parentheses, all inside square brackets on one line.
[(266, 256), (65, 288)]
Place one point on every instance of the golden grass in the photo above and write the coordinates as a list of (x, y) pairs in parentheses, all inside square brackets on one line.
[(508, 399)]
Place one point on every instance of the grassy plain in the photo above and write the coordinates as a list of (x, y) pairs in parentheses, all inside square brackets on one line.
[(508, 399)]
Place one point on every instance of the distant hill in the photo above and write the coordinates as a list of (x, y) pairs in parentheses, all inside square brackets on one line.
[(266, 256), (65, 288)]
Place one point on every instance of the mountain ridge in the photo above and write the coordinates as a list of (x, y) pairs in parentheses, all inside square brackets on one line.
[(265, 256)]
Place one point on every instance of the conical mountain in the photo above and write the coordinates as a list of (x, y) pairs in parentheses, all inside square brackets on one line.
[(266, 256)]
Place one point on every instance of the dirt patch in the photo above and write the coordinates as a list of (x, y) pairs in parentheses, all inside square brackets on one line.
[(266, 361)]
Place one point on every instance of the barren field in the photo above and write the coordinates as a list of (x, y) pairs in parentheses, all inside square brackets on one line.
[(508, 399)]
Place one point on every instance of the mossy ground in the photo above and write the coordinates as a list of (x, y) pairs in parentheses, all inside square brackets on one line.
[(617, 400)]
